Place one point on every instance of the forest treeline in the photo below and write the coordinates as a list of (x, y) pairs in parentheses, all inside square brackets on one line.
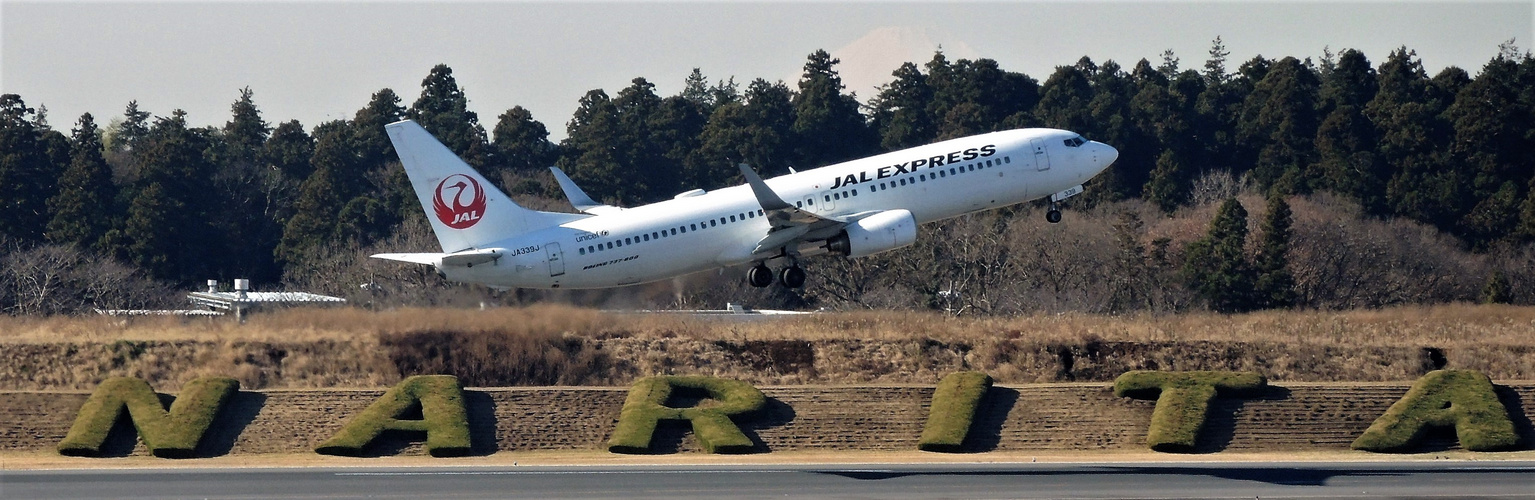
[(118, 214)]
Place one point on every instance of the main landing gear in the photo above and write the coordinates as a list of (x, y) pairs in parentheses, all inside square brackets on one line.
[(760, 276)]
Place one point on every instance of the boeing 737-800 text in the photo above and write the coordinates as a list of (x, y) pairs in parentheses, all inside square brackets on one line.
[(853, 209)]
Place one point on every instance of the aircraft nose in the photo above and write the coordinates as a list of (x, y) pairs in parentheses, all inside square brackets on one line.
[(1105, 154)]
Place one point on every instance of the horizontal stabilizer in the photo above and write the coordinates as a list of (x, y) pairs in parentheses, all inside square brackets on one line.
[(579, 198), (430, 259), (467, 258)]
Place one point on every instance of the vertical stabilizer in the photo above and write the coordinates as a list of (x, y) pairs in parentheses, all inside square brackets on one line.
[(466, 210)]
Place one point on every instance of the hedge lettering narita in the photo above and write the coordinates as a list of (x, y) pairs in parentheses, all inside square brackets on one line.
[(1463, 400)]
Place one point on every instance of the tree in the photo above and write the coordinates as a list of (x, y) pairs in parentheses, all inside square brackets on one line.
[(288, 150), (1279, 121), (522, 143), (83, 210), (899, 112), (827, 125), (1409, 143), (246, 132), (1216, 266), (168, 231), (134, 129), (24, 166), (319, 215), (1491, 146), (443, 110), (373, 146), (757, 131), (1274, 286)]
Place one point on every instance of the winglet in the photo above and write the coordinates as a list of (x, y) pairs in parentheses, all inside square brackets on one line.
[(577, 197), (765, 195)]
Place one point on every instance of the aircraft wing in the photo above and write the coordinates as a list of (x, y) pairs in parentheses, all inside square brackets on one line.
[(788, 223), (579, 198)]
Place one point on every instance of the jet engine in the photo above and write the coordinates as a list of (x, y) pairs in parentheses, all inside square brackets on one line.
[(884, 231)]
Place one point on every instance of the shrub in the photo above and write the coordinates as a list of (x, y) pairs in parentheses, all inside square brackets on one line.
[(645, 407), (445, 420), (1463, 399), (172, 434), (953, 410), (1183, 399)]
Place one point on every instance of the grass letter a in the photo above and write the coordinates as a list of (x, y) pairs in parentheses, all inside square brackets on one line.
[(444, 418), (644, 408), (1183, 400), (172, 434), (1463, 399)]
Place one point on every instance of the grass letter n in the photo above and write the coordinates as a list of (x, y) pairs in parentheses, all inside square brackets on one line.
[(444, 418), (167, 434), (645, 408)]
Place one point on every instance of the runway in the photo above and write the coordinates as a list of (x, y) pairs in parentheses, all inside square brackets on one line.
[(1457, 479)]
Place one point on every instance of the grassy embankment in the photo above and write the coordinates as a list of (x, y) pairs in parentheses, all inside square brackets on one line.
[(553, 345)]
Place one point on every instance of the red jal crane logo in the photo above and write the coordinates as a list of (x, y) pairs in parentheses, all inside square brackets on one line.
[(457, 214)]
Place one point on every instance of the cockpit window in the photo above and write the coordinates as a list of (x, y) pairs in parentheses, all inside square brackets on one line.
[(1075, 142)]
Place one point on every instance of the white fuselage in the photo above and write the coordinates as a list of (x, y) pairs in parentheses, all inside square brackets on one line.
[(721, 227)]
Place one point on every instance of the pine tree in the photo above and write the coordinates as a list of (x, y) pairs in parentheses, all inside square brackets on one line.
[(1216, 266), (168, 230), (1279, 121), (336, 181), (900, 110), (521, 142), (24, 163), (1275, 286), (827, 125), (1496, 291), (368, 123), (133, 131), (83, 211), (443, 110), (289, 150)]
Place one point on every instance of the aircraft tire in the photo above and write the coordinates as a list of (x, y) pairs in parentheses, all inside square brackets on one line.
[(759, 276), (792, 277), (1054, 216)]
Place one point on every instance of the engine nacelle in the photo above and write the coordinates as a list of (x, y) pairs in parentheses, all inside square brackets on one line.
[(876, 233)]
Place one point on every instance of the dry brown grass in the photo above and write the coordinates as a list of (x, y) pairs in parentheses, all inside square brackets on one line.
[(558, 344)]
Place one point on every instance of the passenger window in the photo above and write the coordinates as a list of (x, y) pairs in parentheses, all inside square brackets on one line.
[(942, 174), (1007, 159), (712, 224), (759, 212), (583, 251), (810, 202), (855, 192), (674, 231), (828, 198), (799, 204), (732, 218), (646, 237), (610, 245), (922, 177), (751, 215), (694, 227), (836, 196)]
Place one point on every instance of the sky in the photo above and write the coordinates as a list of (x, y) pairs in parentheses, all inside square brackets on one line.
[(319, 61)]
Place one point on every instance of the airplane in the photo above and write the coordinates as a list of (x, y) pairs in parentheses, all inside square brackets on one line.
[(852, 209)]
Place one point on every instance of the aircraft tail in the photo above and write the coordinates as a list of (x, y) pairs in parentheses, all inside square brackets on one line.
[(465, 210)]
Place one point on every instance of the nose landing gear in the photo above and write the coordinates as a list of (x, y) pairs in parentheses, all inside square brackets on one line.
[(1054, 214)]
